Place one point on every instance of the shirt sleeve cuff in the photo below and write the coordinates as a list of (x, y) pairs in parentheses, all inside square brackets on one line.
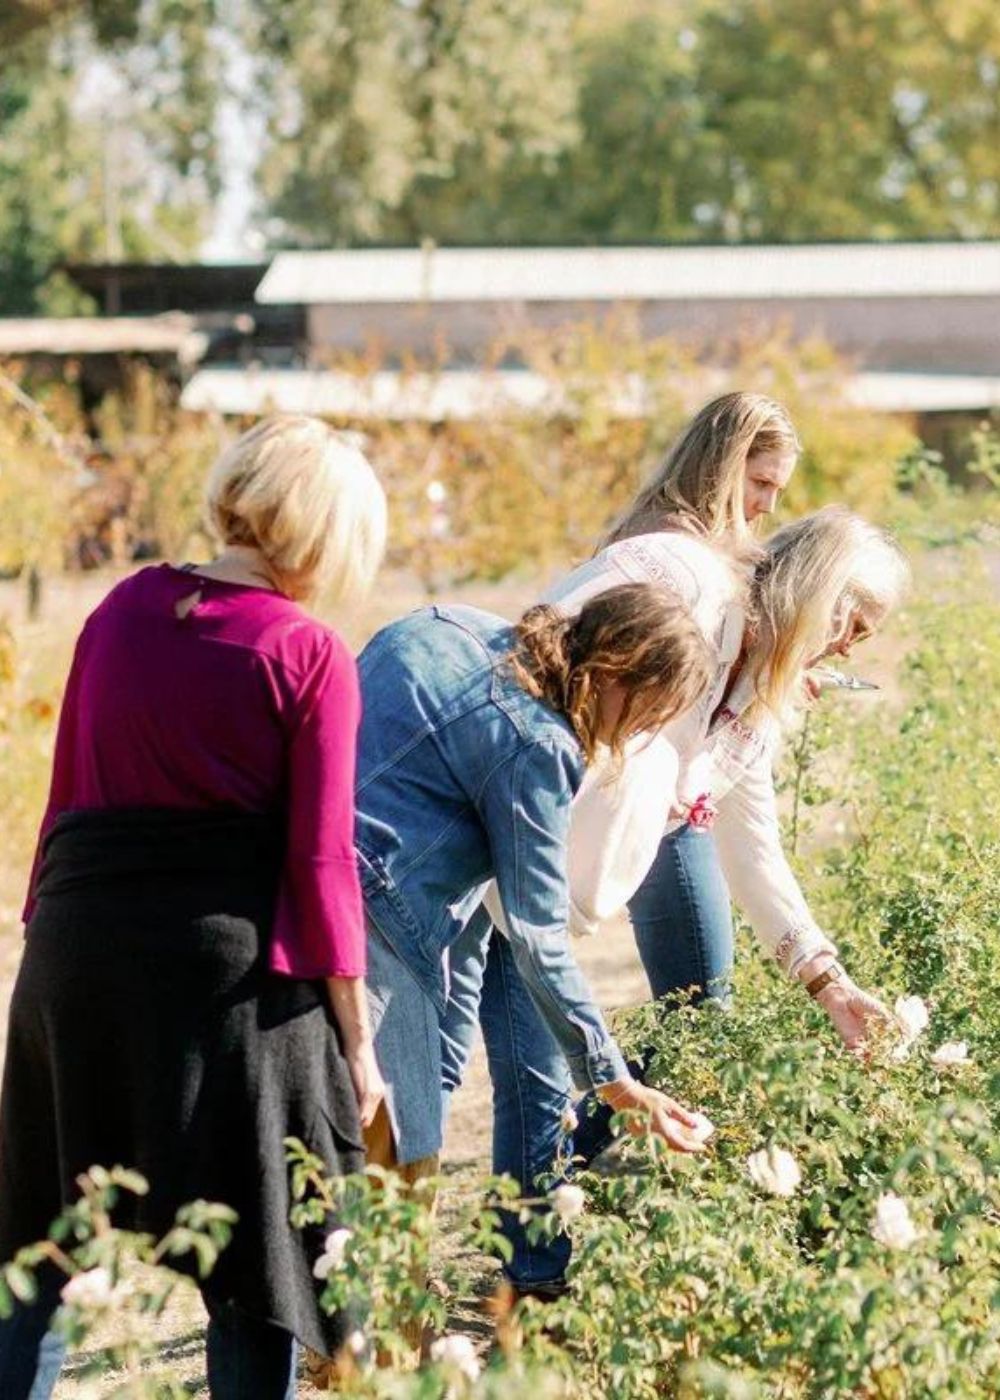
[(591, 1069), (800, 943)]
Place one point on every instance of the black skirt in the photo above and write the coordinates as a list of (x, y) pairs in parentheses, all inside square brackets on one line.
[(146, 1031)]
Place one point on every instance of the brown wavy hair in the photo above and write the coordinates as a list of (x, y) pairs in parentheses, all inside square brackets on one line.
[(637, 634)]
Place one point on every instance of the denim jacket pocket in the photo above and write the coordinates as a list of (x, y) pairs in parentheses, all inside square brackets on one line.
[(372, 873), (392, 916)]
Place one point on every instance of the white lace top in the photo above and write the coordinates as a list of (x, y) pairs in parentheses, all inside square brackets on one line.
[(620, 817)]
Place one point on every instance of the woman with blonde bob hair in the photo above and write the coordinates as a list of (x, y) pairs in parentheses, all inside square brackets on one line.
[(192, 990), (305, 502)]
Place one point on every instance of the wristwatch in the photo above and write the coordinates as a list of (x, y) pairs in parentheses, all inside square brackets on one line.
[(830, 974)]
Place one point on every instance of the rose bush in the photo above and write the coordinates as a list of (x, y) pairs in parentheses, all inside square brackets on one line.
[(876, 1275)]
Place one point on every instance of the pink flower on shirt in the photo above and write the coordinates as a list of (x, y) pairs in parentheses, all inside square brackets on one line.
[(701, 814)]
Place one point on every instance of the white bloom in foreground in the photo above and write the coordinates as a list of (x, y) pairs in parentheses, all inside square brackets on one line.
[(356, 1343), (775, 1171), (457, 1354), (92, 1289), (892, 1225), (951, 1054), (913, 1018), (569, 1121), (334, 1249), (703, 1129), (568, 1202)]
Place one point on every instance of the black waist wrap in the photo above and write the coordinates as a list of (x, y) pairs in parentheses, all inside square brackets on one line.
[(147, 1031)]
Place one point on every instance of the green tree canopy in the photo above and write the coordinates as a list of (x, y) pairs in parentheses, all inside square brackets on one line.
[(107, 140), (374, 107), (707, 119)]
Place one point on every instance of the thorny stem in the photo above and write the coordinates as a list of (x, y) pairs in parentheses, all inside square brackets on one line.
[(801, 763)]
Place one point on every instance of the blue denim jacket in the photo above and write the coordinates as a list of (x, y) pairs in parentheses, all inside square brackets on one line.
[(462, 778)]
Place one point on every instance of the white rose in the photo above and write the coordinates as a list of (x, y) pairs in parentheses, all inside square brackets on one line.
[(775, 1171), (703, 1129), (456, 1353), (92, 1289), (568, 1202), (569, 1121), (334, 1249), (892, 1225), (951, 1054), (913, 1018)]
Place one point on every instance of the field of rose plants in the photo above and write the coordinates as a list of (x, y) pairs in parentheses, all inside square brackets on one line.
[(841, 1238), (841, 1235)]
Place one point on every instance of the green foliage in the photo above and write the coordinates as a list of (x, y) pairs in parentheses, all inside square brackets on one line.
[(107, 151), (372, 105), (40, 473), (521, 490), (114, 1276), (160, 456), (761, 119), (795, 1297)]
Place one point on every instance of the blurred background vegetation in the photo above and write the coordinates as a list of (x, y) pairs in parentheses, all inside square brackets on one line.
[(511, 121), (124, 124), (481, 499)]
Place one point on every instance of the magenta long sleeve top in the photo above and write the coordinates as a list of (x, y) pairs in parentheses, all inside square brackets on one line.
[(245, 703)]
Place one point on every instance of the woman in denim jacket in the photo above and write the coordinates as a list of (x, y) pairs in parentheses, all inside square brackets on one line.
[(475, 738)]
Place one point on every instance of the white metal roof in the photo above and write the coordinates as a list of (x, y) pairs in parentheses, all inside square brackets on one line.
[(385, 394), (172, 333), (470, 394), (899, 392), (413, 275)]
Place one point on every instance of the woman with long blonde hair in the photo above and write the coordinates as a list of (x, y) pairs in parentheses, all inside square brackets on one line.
[(725, 470)]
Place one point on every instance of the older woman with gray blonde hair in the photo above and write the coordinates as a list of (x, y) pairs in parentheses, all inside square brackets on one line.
[(192, 989)]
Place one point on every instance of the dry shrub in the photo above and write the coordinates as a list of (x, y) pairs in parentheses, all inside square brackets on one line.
[(486, 498)]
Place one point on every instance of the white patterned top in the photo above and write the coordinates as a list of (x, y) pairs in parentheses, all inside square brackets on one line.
[(620, 816)]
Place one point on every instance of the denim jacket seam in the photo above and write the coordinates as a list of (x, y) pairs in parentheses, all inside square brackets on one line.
[(527, 743), (396, 757), (590, 1044)]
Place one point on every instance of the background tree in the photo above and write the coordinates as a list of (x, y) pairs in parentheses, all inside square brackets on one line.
[(107, 142), (748, 119), (374, 107)]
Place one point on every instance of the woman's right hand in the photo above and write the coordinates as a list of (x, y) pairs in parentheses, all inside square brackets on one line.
[(369, 1086), (654, 1112), (349, 1002)]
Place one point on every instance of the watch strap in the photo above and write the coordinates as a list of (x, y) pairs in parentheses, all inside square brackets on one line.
[(824, 979)]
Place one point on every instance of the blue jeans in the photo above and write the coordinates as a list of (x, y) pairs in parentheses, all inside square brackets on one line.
[(682, 922), (246, 1358)]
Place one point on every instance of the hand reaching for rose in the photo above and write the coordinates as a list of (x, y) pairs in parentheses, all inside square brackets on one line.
[(657, 1113), (855, 1013)]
